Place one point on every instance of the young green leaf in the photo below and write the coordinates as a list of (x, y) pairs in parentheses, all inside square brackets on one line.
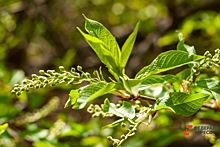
[(185, 104), (158, 79), (211, 85), (3, 128), (128, 46), (132, 86), (184, 74), (97, 30), (126, 110), (103, 53), (186, 48), (91, 92), (111, 108), (72, 99), (166, 61)]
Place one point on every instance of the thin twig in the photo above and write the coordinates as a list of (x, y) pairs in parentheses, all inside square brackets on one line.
[(149, 99)]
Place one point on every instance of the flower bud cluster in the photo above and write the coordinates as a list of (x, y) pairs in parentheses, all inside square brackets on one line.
[(131, 131), (97, 111), (196, 68), (115, 141), (138, 105), (216, 57), (212, 60), (207, 62), (51, 77)]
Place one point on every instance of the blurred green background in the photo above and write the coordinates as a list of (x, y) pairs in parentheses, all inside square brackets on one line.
[(41, 34)]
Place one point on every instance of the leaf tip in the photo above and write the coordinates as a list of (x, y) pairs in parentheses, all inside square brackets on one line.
[(84, 16), (138, 23)]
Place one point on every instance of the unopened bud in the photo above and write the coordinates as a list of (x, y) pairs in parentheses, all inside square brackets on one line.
[(115, 144), (37, 86), (27, 89), (24, 81), (123, 125), (123, 136), (137, 102), (16, 89), (79, 68), (18, 93), (13, 92), (53, 84), (22, 89), (217, 51), (109, 138), (118, 105), (61, 68), (42, 72), (51, 72), (34, 76), (31, 85), (16, 85), (207, 54), (73, 69)]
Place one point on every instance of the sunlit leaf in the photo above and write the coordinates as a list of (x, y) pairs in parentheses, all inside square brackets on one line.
[(167, 61), (184, 74), (97, 30), (132, 86), (185, 104), (128, 46), (158, 79), (211, 85), (186, 48), (3, 128), (126, 110), (91, 92), (72, 99)]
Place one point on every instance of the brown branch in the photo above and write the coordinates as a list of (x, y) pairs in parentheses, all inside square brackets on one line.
[(149, 99)]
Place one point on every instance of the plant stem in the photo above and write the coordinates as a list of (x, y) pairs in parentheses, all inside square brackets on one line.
[(130, 133)]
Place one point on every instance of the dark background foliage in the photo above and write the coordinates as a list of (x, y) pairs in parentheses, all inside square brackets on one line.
[(42, 34)]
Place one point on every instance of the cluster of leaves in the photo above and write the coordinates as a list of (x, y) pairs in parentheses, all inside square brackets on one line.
[(184, 93)]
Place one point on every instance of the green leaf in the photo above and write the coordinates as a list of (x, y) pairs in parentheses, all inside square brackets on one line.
[(72, 99), (166, 61), (126, 110), (128, 46), (132, 86), (186, 48), (103, 53), (185, 104), (158, 79), (111, 108), (91, 92), (211, 85), (3, 128), (184, 74), (97, 30), (100, 48), (106, 105)]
